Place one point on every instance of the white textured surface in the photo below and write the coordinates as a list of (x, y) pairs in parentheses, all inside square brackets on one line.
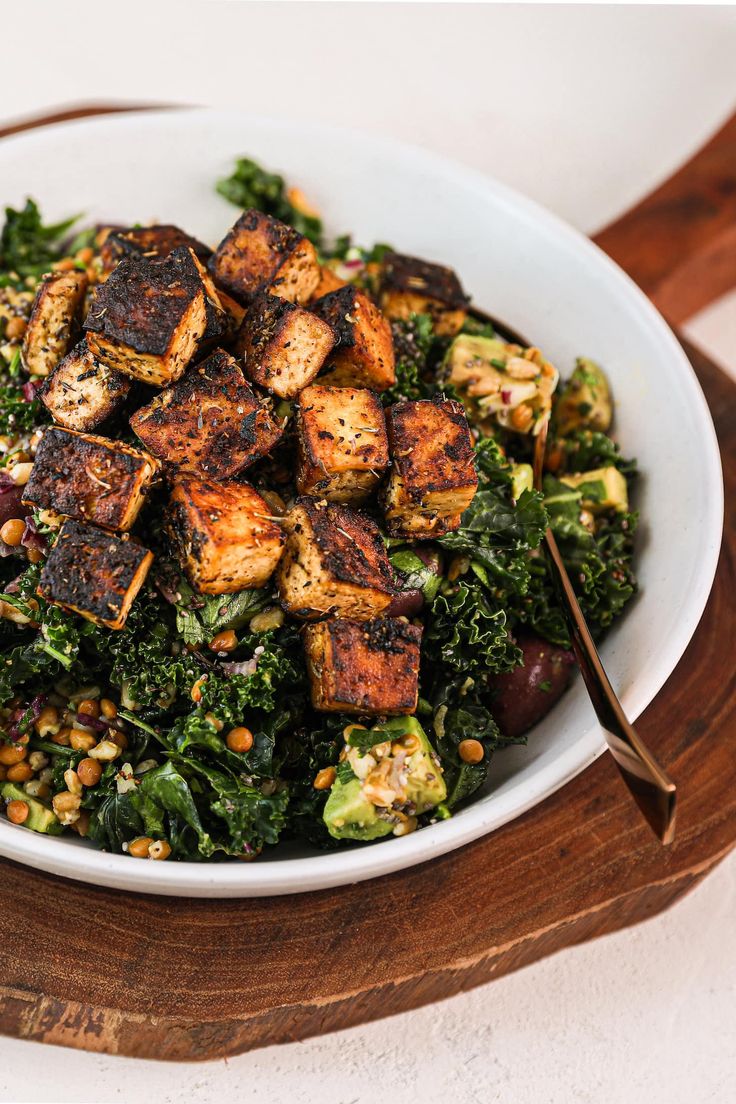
[(589, 107)]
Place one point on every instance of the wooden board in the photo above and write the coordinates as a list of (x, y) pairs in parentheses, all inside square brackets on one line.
[(190, 979)]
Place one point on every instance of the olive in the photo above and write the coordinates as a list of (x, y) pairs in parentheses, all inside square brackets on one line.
[(406, 604), (523, 696)]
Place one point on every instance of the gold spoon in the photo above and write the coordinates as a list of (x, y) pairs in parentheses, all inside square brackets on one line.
[(651, 787)]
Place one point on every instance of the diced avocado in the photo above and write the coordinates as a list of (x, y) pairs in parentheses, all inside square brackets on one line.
[(522, 479), (40, 817), (585, 400), (505, 383), (351, 814), (602, 489)]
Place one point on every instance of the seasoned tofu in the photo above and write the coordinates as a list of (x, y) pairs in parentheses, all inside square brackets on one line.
[(89, 478), (334, 562), (363, 666), (283, 345), (328, 281), (148, 319), (262, 253), (149, 241), (209, 422), (224, 535), (81, 393), (54, 322), (94, 573), (342, 443), (411, 286), (364, 353), (433, 477)]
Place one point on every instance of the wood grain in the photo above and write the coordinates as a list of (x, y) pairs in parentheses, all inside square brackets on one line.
[(191, 979), (679, 243)]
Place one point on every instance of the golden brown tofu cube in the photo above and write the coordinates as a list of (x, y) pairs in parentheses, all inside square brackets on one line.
[(209, 422), (342, 443), (224, 534), (283, 345), (433, 477), (82, 392), (94, 573), (328, 281), (262, 253), (149, 317), (363, 666), (334, 562), (89, 478), (149, 241), (54, 322), (411, 286), (364, 353)]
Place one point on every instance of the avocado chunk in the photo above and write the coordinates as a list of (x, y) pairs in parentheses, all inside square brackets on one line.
[(40, 817), (602, 489), (585, 400), (501, 383), (395, 778), (522, 479)]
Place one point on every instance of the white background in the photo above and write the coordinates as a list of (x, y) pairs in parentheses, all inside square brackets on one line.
[(585, 109)]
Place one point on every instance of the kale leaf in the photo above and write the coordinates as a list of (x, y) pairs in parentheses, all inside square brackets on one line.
[(249, 185), (413, 341), (27, 247)]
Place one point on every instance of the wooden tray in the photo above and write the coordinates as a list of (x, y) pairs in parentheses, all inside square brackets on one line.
[(180, 979)]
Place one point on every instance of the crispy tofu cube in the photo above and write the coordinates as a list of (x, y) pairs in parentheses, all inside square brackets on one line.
[(262, 253), (283, 345), (89, 478), (335, 561), (82, 392), (209, 422), (54, 322), (94, 573), (364, 353), (363, 666), (411, 286), (342, 443), (433, 477), (224, 535), (328, 281), (149, 241), (148, 319)]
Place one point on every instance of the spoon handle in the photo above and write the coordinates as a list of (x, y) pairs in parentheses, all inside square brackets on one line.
[(650, 786)]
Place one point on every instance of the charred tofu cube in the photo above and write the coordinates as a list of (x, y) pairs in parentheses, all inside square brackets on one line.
[(54, 322), (283, 345), (94, 573), (334, 562), (262, 253), (209, 422), (89, 478), (148, 319), (410, 286), (148, 241), (364, 353), (82, 392), (433, 477), (224, 535), (342, 443), (363, 666)]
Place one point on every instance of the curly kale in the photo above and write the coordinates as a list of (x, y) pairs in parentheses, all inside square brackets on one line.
[(27, 247), (249, 185)]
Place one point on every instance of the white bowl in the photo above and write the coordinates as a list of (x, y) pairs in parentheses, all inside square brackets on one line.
[(522, 264)]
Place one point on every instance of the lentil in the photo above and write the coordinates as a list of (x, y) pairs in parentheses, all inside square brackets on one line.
[(18, 811), (239, 740)]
